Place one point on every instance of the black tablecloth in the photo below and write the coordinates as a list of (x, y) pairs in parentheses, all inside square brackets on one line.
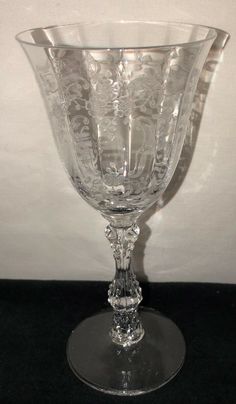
[(36, 318)]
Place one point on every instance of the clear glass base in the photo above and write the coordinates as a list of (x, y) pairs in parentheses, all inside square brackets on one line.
[(129, 371)]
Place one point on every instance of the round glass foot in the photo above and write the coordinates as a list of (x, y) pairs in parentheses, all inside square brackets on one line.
[(134, 370)]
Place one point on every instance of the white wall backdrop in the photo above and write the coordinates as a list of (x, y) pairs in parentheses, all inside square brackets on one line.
[(46, 229)]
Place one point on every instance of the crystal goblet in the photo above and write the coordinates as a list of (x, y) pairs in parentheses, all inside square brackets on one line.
[(119, 96)]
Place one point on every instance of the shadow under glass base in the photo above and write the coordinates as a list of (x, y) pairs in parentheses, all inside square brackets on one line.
[(138, 369)]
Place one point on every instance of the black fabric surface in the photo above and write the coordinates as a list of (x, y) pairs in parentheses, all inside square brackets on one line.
[(36, 319)]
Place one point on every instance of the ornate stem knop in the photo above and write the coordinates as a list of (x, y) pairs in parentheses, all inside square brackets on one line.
[(124, 293)]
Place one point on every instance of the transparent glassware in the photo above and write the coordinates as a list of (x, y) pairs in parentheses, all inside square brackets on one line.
[(119, 96)]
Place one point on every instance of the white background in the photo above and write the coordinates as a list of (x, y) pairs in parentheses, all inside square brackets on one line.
[(46, 229)]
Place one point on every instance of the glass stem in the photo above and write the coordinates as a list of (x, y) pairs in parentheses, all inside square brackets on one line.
[(124, 293)]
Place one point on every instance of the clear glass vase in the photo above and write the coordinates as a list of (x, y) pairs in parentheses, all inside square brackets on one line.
[(119, 96)]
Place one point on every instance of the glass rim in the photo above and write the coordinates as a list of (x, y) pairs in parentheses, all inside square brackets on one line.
[(212, 35)]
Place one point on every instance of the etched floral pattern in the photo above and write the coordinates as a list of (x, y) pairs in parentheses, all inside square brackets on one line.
[(119, 119)]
